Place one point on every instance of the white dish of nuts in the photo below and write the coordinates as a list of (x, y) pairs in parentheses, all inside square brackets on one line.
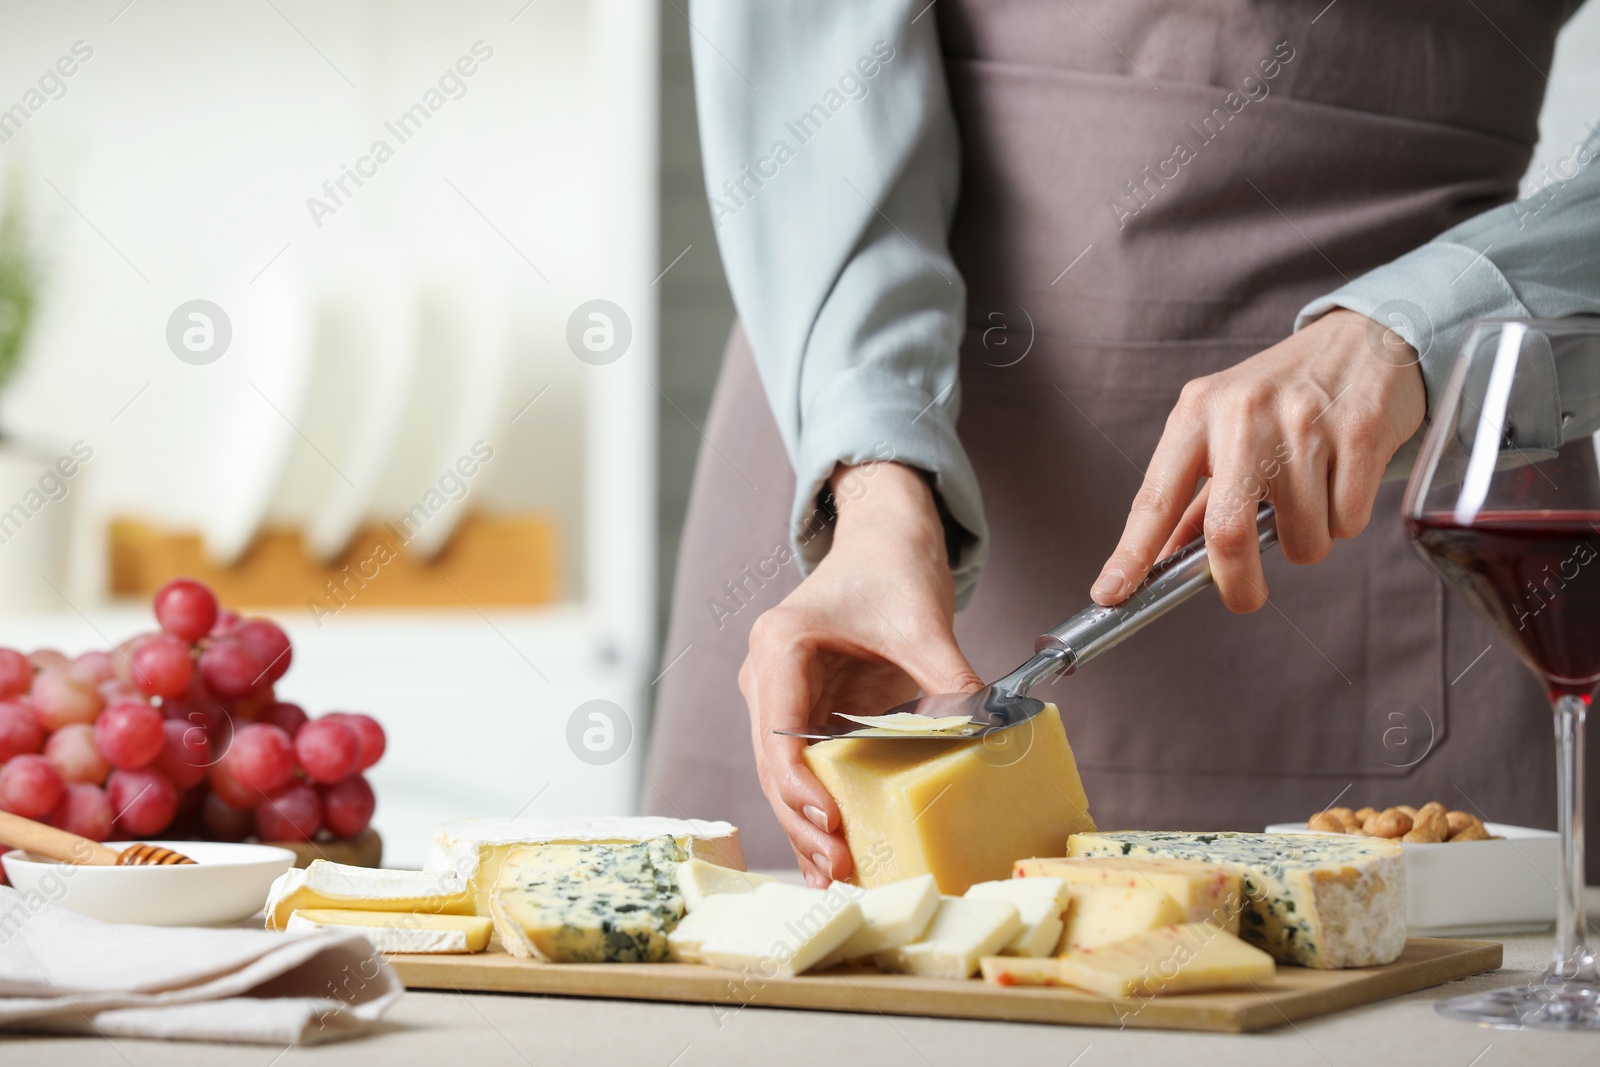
[(1462, 885)]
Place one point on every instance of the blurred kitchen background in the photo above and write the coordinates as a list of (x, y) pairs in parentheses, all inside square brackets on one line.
[(487, 345)]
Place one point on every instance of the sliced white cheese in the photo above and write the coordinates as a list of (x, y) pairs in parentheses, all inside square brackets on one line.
[(475, 848), (962, 932), (784, 930), (892, 915), (1041, 901), (324, 884), (714, 913), (699, 880), (400, 931)]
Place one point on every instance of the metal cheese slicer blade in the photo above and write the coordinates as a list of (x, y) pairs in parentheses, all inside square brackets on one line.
[(1060, 652)]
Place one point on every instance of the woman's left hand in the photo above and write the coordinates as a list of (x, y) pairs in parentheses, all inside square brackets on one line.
[(1309, 424)]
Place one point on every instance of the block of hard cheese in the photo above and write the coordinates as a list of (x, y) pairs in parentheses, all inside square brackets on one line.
[(1105, 914), (589, 903), (1174, 959), (391, 931), (475, 848), (324, 884), (1207, 892), (1316, 900), (962, 811)]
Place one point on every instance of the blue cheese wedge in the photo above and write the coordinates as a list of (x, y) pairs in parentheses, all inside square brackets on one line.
[(589, 903), (1315, 900)]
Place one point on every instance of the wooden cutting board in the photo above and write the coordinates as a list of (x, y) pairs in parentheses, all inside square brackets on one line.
[(1296, 992)]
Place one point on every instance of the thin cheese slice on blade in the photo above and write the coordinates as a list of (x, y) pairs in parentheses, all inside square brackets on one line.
[(324, 884), (960, 810), (908, 722), (1041, 902), (392, 931), (1174, 959)]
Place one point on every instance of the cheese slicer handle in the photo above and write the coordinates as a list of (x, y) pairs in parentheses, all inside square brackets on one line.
[(49, 843)]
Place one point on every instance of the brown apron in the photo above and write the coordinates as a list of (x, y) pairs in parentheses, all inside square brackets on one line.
[(1150, 191)]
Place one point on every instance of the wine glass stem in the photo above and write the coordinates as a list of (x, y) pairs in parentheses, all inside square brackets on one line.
[(1571, 959)]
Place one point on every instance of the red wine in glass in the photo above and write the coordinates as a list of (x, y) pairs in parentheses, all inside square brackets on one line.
[(1535, 576)]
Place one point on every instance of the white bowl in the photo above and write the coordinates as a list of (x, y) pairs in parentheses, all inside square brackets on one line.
[(1466, 888), (226, 884)]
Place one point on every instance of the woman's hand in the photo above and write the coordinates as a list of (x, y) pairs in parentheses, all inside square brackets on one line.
[(1308, 424), (864, 632)]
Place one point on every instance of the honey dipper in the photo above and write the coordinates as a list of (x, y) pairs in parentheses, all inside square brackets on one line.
[(50, 843)]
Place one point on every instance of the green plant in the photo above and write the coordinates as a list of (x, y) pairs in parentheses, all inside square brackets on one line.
[(19, 281)]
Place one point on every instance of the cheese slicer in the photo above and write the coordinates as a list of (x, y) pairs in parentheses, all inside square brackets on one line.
[(1060, 652), (47, 842)]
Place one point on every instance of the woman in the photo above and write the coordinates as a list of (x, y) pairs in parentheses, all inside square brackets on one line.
[(1087, 228)]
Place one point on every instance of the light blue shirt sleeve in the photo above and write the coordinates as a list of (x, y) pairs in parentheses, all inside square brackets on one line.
[(1536, 257), (832, 168)]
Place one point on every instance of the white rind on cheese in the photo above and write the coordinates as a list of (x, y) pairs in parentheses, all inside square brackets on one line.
[(399, 931), (699, 880), (475, 848), (783, 930), (963, 931), (1041, 902), (324, 884), (1316, 900)]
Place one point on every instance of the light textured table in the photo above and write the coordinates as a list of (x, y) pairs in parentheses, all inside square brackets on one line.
[(478, 1030)]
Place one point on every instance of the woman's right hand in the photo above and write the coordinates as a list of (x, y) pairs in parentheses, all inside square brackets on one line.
[(868, 629)]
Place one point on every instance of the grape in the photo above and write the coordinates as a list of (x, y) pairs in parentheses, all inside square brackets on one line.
[(223, 821), (347, 806), (269, 644), (72, 750), (95, 667), (61, 698), (185, 755), (293, 813), (229, 789), (250, 708), (186, 609), (123, 655), (328, 751), (129, 735), (117, 690), (16, 673), (143, 802), (161, 666), (227, 619), (20, 729), (287, 717), (30, 786), (230, 669), (261, 758), (84, 810), (46, 657), (368, 732)]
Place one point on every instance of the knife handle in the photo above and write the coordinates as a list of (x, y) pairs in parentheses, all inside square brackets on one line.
[(1170, 582)]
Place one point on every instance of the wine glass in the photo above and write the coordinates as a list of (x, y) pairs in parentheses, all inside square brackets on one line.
[(1504, 502)]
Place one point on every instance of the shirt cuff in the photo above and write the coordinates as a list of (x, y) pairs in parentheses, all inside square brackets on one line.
[(903, 424), (1429, 297)]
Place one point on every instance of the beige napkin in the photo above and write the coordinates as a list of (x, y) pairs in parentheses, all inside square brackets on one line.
[(67, 973)]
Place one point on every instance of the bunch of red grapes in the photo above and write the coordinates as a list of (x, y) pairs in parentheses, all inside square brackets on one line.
[(179, 733)]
